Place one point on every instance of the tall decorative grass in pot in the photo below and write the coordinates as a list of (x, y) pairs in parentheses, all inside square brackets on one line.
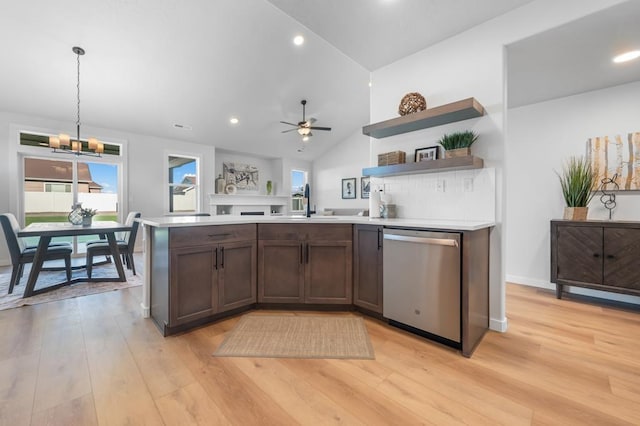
[(577, 181), (458, 144)]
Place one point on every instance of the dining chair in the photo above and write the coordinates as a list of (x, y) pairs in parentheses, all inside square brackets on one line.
[(126, 243), (22, 254)]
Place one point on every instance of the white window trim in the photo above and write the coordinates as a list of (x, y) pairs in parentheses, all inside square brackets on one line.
[(165, 178)]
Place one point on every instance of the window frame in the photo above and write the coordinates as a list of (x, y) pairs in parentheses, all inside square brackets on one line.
[(169, 185)]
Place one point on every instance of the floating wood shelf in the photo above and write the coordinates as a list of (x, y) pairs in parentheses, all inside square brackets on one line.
[(433, 166), (431, 117)]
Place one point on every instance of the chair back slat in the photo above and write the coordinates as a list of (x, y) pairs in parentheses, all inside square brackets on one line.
[(11, 228), (129, 222), (131, 242)]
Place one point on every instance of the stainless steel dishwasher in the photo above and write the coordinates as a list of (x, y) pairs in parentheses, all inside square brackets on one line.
[(422, 281)]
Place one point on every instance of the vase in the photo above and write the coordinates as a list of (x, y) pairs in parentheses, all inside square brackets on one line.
[(575, 213), (460, 152), (86, 221), (75, 216), (269, 187)]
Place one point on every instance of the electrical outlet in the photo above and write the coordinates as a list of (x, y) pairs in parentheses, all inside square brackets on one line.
[(468, 184), (441, 185)]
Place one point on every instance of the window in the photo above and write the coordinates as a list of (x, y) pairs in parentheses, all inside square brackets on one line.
[(184, 184), (48, 192), (298, 182), (57, 187)]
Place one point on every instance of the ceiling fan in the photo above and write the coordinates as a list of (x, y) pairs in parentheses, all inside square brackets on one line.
[(304, 127)]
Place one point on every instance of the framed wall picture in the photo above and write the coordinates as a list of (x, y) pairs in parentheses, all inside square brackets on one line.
[(427, 154), (349, 188), (365, 186)]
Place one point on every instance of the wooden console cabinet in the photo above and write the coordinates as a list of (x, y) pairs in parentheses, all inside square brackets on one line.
[(211, 269), (601, 255), (305, 263)]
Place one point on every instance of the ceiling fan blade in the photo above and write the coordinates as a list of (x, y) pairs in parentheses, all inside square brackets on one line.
[(320, 128), (290, 130), (311, 120), (290, 124)]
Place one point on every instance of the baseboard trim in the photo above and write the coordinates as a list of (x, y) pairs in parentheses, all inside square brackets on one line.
[(499, 325), (146, 311), (615, 297)]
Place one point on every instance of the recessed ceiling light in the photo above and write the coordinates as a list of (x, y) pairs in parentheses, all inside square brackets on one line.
[(233, 120), (627, 56), (370, 84), (298, 40)]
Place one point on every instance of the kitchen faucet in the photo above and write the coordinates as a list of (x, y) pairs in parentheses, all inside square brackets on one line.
[(307, 199)]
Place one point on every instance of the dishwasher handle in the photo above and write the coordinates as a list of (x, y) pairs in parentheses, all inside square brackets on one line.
[(422, 240)]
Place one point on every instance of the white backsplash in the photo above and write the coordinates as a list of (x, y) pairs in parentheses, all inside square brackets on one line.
[(458, 195)]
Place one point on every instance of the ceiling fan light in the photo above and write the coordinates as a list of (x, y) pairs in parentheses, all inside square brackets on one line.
[(303, 131), (305, 138)]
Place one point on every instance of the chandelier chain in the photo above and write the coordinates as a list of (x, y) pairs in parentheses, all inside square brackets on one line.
[(78, 90)]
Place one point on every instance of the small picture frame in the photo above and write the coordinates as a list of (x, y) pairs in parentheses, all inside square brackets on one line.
[(349, 188), (426, 154), (365, 186)]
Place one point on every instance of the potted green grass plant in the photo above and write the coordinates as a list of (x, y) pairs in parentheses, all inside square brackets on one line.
[(87, 216), (458, 144), (577, 181)]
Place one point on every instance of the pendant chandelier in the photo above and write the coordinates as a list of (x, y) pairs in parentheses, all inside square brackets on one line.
[(63, 143)]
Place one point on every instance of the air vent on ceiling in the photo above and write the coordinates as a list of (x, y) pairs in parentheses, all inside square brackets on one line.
[(182, 126)]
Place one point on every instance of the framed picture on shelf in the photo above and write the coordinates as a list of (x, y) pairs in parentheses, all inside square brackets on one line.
[(426, 154), (349, 188), (365, 186)]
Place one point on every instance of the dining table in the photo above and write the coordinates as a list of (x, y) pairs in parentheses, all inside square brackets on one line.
[(48, 230)]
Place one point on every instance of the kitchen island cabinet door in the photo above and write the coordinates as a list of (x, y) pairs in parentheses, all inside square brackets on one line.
[(328, 272), (280, 271), (193, 280), (367, 271), (236, 275)]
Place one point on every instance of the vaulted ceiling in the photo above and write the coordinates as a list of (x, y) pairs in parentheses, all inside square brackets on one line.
[(151, 64)]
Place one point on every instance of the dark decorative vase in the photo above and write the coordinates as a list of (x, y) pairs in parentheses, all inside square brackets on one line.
[(75, 217)]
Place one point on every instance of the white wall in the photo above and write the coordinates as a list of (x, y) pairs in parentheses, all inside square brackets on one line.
[(468, 65), (345, 160), (540, 137)]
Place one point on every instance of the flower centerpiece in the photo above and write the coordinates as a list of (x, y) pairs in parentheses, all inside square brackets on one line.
[(87, 216)]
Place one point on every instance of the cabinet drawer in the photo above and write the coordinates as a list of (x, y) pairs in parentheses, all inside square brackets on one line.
[(283, 231), (201, 235)]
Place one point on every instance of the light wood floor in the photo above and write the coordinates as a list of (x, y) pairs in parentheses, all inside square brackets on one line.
[(94, 360)]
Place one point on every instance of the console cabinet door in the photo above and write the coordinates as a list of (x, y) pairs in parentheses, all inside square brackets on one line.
[(236, 275), (367, 267), (193, 276), (280, 271), (579, 254), (328, 272), (622, 258)]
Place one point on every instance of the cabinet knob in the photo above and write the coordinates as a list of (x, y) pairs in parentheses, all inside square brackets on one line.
[(610, 256), (596, 254)]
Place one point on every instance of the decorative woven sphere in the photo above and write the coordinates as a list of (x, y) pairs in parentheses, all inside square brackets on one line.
[(412, 102)]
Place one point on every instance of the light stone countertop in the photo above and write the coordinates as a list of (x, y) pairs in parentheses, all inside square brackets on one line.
[(439, 224)]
